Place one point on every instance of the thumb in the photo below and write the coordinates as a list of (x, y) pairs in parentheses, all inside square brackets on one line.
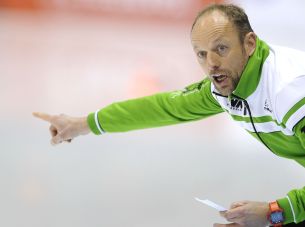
[(222, 213)]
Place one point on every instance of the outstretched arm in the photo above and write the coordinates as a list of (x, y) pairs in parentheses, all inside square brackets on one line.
[(193, 103)]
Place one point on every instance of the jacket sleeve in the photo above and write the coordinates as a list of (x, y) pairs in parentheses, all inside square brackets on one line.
[(193, 103), (294, 203)]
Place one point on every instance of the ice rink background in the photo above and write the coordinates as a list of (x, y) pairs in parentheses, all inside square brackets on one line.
[(59, 63)]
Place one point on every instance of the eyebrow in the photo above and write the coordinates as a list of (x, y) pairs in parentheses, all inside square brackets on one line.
[(196, 47), (219, 39)]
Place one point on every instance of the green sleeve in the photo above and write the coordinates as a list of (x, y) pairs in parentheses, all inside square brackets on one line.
[(193, 103), (294, 203), (294, 206)]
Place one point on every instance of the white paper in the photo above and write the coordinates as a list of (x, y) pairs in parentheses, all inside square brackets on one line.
[(211, 204)]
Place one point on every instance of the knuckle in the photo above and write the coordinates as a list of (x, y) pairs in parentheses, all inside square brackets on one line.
[(65, 134), (60, 135)]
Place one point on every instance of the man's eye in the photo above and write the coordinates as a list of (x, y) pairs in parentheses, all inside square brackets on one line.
[(222, 49), (201, 54)]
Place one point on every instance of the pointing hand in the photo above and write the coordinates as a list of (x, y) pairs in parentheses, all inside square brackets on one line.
[(63, 127)]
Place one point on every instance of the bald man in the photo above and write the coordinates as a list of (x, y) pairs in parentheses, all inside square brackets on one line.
[(261, 86)]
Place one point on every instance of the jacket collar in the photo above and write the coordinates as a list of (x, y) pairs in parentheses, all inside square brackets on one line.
[(252, 72)]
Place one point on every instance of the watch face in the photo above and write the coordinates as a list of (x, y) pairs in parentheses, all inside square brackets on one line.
[(277, 217)]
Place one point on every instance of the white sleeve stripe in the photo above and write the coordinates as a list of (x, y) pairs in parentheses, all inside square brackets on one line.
[(291, 209), (265, 127), (296, 117), (98, 123)]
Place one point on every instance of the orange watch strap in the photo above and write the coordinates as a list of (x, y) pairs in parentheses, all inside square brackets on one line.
[(274, 206)]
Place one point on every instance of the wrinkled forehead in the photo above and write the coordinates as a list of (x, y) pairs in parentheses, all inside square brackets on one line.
[(210, 27)]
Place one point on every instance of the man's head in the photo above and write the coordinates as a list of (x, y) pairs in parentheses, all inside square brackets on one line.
[(223, 41)]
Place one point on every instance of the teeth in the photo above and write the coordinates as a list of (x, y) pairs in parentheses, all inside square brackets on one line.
[(219, 77)]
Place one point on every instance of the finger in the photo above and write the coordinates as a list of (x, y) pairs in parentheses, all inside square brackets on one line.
[(61, 137), (234, 213), (238, 204), (53, 130), (56, 140), (219, 225), (43, 116), (227, 225)]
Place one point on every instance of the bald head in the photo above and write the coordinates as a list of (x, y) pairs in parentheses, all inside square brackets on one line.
[(233, 13)]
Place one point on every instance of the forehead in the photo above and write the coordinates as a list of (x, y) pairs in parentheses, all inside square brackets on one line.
[(211, 27)]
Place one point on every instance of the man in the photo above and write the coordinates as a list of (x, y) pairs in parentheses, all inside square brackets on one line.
[(260, 86)]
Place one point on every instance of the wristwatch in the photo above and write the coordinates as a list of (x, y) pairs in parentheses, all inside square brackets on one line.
[(275, 214)]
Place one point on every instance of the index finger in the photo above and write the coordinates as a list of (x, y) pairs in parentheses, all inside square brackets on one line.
[(43, 116), (234, 213), (226, 225)]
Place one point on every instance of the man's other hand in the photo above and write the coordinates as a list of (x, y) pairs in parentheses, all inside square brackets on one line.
[(246, 214)]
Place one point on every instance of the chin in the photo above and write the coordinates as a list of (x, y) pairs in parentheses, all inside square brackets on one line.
[(224, 92)]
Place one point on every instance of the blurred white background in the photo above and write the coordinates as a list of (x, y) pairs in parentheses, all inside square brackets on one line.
[(70, 58)]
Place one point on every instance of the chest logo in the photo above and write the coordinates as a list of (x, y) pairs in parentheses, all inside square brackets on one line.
[(267, 106), (235, 104)]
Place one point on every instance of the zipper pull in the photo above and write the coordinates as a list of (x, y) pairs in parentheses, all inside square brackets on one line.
[(245, 108)]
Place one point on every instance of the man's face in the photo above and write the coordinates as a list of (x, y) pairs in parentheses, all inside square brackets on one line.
[(219, 51)]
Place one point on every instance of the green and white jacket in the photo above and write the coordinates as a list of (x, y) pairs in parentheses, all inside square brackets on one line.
[(269, 102)]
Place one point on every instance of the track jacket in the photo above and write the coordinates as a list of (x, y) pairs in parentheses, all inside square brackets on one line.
[(268, 102)]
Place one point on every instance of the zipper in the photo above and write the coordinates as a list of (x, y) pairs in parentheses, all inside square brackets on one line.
[(251, 119)]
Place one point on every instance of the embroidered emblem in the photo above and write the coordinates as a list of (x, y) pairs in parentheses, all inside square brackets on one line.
[(266, 106), (235, 104)]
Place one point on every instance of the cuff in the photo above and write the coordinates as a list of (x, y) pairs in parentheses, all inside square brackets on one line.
[(285, 204), (94, 123)]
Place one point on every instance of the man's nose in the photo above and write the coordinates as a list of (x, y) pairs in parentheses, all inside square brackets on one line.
[(213, 61)]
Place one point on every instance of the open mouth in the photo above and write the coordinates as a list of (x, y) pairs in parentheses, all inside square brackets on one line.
[(219, 77)]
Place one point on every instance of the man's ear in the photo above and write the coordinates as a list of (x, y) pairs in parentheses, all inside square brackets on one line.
[(250, 43)]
